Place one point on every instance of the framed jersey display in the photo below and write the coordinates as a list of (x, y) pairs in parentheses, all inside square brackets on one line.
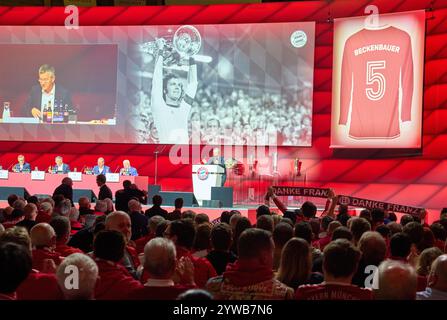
[(377, 81)]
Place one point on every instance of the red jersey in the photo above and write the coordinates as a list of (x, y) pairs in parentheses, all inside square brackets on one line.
[(332, 291), (64, 251), (39, 286), (114, 281), (39, 256), (158, 293), (376, 64)]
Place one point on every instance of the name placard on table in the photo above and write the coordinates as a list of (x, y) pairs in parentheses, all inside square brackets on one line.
[(4, 174), (112, 177), (37, 175), (75, 176)]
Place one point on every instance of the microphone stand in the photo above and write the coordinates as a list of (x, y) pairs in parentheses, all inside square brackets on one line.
[(156, 152)]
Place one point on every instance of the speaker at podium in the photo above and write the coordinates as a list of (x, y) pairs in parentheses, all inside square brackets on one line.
[(204, 177)]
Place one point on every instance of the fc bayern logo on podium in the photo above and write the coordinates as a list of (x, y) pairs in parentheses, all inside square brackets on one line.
[(202, 173)]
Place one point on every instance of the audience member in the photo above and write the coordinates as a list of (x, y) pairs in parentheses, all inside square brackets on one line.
[(45, 213), (282, 233), (340, 263), (15, 266), (138, 220), (220, 255), (182, 234), (65, 189), (160, 260), (358, 227), (38, 285), (426, 259), (400, 246), (251, 276), (87, 272), (195, 295), (374, 249), (156, 209), (342, 233), (83, 239), (295, 267), (120, 221), (202, 241), (392, 272), (61, 226), (30, 213), (43, 239), (265, 222), (437, 281), (201, 218), (114, 281), (154, 221), (104, 190)]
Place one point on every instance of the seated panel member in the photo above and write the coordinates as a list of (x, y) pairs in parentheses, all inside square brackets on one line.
[(127, 170), (101, 168), (22, 166), (60, 166), (45, 92)]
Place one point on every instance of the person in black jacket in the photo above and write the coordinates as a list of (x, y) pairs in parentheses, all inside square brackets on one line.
[(156, 209), (139, 221), (130, 191), (104, 190), (65, 189)]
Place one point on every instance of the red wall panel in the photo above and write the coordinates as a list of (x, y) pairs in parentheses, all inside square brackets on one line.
[(414, 178)]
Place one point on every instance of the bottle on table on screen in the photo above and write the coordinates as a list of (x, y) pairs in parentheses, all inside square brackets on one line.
[(49, 113), (45, 114), (66, 113), (6, 111)]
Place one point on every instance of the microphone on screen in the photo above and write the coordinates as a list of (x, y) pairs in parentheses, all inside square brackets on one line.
[(10, 166), (117, 167)]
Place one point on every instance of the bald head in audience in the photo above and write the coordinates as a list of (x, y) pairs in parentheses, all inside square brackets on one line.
[(438, 274), (119, 221), (43, 235), (397, 281), (160, 258)]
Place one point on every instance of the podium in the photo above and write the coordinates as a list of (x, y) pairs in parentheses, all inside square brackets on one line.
[(204, 177)]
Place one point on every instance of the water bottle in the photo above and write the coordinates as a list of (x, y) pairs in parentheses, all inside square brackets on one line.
[(50, 113), (6, 111)]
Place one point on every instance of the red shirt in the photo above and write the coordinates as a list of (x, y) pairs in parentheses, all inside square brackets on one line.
[(39, 256), (158, 293), (65, 251), (140, 243), (323, 242), (43, 217), (114, 281), (39, 286), (75, 227), (203, 269), (332, 291), (375, 64)]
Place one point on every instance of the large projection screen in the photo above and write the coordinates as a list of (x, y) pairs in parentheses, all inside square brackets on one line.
[(234, 84), (378, 81)]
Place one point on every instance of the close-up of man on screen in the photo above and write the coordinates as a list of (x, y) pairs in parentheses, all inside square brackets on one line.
[(171, 100), (46, 93)]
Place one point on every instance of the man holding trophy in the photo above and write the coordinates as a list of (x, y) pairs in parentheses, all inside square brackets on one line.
[(171, 98)]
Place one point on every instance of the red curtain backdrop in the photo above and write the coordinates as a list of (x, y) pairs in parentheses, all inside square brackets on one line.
[(413, 178)]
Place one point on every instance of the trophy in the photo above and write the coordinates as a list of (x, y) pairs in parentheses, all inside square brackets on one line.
[(184, 44)]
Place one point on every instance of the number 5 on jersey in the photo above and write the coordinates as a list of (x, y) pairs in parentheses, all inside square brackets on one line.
[(375, 79)]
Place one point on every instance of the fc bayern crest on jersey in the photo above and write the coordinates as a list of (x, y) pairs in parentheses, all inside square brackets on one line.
[(202, 173)]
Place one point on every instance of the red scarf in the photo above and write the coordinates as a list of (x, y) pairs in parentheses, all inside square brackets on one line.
[(245, 273)]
